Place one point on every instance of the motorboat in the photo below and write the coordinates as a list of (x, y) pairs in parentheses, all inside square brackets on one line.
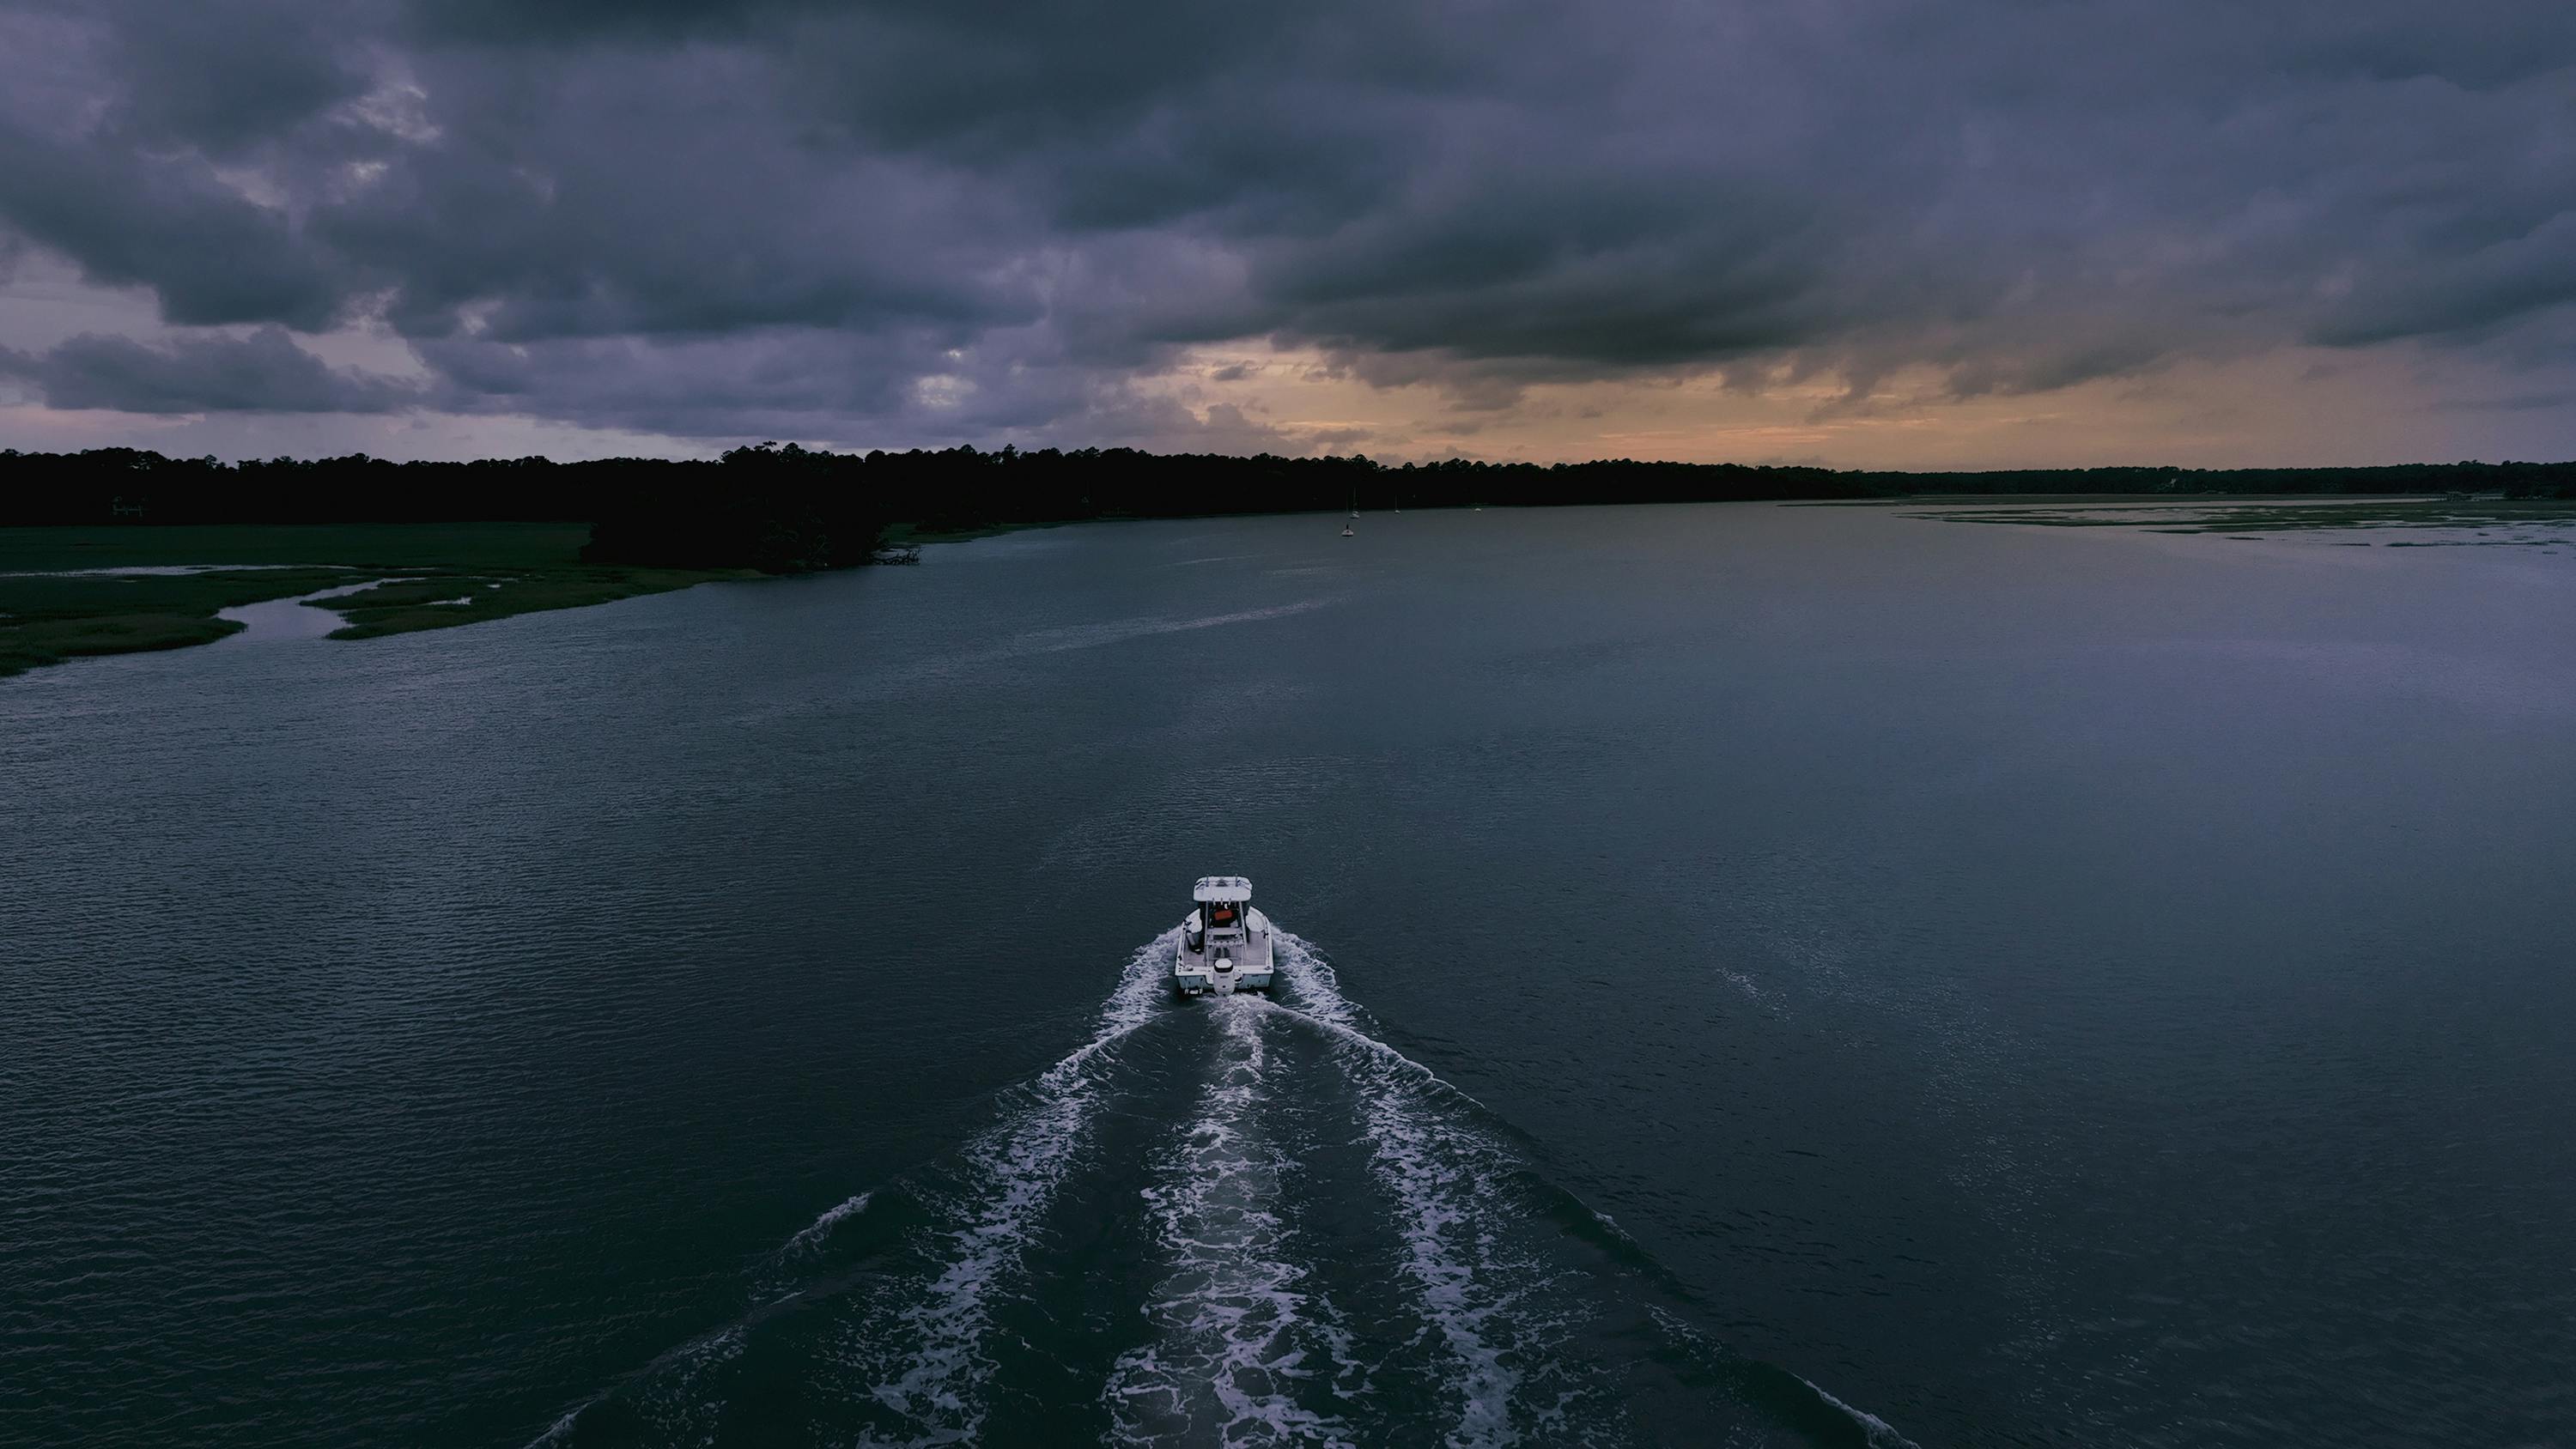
[(1225, 944)]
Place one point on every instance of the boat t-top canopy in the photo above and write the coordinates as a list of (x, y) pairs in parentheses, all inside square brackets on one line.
[(1222, 888)]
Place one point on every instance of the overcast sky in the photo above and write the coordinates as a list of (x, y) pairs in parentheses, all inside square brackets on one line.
[(1862, 232)]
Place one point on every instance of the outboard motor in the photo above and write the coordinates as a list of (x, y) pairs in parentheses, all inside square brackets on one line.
[(1223, 965)]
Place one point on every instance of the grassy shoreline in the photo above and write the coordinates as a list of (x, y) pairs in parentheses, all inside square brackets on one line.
[(60, 599), (2232, 515)]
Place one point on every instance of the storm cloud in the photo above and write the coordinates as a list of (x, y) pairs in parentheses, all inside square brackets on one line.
[(263, 372), (985, 219)]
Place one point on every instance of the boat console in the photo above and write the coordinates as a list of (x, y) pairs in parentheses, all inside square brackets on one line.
[(1225, 944)]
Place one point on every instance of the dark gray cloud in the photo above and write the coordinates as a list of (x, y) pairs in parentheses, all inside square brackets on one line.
[(934, 220), (133, 218), (223, 77), (263, 372)]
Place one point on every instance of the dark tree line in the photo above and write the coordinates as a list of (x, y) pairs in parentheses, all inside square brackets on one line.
[(788, 508)]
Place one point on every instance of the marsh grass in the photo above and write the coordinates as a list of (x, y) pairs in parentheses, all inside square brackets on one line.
[(49, 614), (47, 618), (2252, 519), (407, 605)]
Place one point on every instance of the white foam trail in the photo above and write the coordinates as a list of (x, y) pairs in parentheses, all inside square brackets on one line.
[(1016, 1167), (1442, 1177), (814, 1232), (1236, 1337), (1876, 1432), (1880, 1433), (665, 1397), (1092, 636), (1439, 1177)]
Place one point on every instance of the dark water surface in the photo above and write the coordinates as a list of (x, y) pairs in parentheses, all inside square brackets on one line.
[(2034, 986)]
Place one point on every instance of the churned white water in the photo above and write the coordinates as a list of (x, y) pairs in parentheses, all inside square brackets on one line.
[(1441, 1179), (1015, 1169), (1244, 1340), (1245, 1345)]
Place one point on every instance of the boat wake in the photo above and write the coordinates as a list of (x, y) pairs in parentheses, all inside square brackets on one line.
[(1012, 1174), (1255, 1224), (821, 1227), (1244, 1339), (929, 1369), (1483, 1299)]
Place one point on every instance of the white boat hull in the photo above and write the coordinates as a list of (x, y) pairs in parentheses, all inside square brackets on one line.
[(1220, 965)]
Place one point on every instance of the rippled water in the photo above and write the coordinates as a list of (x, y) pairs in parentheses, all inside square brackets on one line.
[(1765, 975)]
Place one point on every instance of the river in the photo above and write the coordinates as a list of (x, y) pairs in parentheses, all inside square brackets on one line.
[(1760, 975)]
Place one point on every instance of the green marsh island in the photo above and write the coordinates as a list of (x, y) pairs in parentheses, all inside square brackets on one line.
[(72, 591)]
